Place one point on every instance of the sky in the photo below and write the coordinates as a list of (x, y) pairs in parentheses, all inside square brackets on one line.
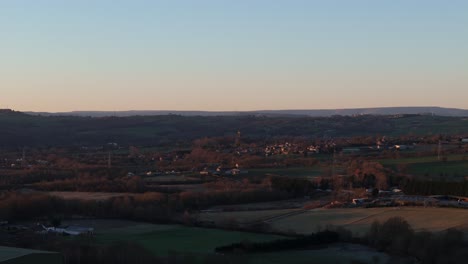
[(232, 55)]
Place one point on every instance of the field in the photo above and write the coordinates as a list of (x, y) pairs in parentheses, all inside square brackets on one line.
[(424, 159), (357, 220), (95, 196), (163, 239), (454, 168), (242, 217), (172, 239), (304, 172), (171, 178), (339, 254), (273, 205)]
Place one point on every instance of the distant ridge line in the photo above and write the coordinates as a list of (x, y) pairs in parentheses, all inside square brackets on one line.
[(438, 111)]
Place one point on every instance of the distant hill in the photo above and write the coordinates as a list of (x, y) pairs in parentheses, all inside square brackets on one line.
[(20, 129), (438, 111)]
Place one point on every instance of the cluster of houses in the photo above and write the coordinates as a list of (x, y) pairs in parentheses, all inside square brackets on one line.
[(369, 149), (22, 163), (278, 149), (395, 197)]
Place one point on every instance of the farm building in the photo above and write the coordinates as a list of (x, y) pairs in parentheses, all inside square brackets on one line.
[(10, 255), (359, 201), (70, 230)]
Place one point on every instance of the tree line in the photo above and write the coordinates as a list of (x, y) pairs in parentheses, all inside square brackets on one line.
[(394, 237)]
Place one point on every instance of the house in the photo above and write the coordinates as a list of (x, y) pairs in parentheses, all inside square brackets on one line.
[(400, 147), (359, 201), (464, 140), (69, 230), (235, 171)]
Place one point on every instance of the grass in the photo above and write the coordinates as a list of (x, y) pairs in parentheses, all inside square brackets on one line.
[(304, 172), (425, 159), (242, 217), (454, 168), (170, 178), (199, 242), (449, 169), (163, 239), (357, 220), (88, 196), (340, 254)]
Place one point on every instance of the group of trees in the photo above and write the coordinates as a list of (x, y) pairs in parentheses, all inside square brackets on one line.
[(367, 174), (434, 187), (295, 186), (149, 206), (319, 239), (94, 184), (394, 237)]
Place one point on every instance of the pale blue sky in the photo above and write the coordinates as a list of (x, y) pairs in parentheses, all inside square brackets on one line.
[(232, 55)]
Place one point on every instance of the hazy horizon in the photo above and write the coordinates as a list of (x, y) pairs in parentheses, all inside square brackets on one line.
[(232, 56), (246, 110)]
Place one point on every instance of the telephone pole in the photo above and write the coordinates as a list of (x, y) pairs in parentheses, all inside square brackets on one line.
[(438, 151), (23, 158)]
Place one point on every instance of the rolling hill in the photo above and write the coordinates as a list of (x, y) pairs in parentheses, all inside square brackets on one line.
[(20, 129), (438, 111)]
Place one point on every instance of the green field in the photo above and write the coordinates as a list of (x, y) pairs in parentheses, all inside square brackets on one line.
[(199, 242), (163, 239), (170, 178), (454, 168), (242, 217), (304, 172), (425, 159), (340, 254)]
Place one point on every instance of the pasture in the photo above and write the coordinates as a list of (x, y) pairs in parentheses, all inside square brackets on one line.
[(199, 242), (171, 178), (455, 167), (88, 196), (272, 205), (454, 170), (241, 217), (339, 254), (164, 239), (358, 220), (303, 172)]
